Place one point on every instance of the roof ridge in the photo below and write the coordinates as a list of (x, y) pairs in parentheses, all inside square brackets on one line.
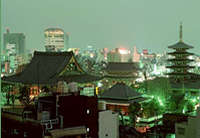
[(52, 53)]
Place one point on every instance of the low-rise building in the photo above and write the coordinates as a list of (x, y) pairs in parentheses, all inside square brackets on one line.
[(189, 129), (108, 124)]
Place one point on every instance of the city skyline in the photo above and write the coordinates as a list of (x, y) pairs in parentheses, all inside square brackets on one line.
[(152, 25)]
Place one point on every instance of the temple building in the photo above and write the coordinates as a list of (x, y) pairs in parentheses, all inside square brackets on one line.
[(125, 72), (180, 63), (50, 68), (119, 97)]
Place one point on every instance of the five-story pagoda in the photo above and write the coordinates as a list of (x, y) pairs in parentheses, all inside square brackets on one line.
[(180, 63)]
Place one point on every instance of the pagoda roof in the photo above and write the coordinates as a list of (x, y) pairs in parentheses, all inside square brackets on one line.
[(187, 84), (120, 91), (176, 53), (180, 66), (175, 59), (177, 73), (181, 45)]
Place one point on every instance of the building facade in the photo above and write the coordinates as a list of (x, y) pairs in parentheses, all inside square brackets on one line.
[(189, 129), (55, 40), (119, 55), (108, 124), (14, 43)]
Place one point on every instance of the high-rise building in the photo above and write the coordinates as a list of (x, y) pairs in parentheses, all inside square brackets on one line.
[(136, 55), (14, 43), (119, 55), (55, 40), (105, 53), (180, 63)]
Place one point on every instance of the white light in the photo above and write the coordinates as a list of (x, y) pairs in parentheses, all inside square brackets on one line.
[(88, 129), (123, 51), (88, 111), (138, 119), (99, 84), (91, 55)]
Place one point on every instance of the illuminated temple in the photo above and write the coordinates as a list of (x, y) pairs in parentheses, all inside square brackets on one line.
[(180, 63)]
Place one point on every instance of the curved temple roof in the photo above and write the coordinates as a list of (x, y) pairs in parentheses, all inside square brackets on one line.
[(180, 44), (45, 68)]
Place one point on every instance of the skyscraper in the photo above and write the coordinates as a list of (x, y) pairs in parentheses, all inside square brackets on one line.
[(55, 40), (119, 55), (136, 55), (14, 41)]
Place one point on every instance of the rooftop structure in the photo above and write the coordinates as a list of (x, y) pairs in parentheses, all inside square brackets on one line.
[(180, 63)]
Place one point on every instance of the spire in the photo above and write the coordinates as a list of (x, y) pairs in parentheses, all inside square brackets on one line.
[(181, 32)]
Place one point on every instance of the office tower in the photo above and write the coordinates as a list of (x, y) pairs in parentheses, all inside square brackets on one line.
[(55, 40), (14, 43), (119, 55), (136, 55)]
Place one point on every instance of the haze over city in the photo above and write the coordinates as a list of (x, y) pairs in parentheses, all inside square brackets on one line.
[(152, 25)]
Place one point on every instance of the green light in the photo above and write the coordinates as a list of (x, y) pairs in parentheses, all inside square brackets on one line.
[(160, 101), (152, 96), (183, 110), (194, 100)]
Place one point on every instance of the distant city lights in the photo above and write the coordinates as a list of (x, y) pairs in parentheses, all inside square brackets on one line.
[(124, 51)]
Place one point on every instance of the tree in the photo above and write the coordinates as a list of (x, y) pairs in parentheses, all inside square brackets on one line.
[(151, 108), (5, 88), (134, 109)]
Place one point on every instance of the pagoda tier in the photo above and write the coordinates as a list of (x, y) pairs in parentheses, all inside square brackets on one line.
[(181, 74), (183, 53), (181, 60), (180, 46), (182, 67), (180, 63)]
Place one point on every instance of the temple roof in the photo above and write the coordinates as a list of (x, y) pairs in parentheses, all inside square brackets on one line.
[(177, 73), (187, 66), (178, 53), (121, 66), (186, 85), (120, 101), (43, 66), (175, 59), (46, 67), (180, 44), (120, 91)]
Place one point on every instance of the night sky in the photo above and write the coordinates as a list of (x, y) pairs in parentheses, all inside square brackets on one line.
[(148, 24)]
